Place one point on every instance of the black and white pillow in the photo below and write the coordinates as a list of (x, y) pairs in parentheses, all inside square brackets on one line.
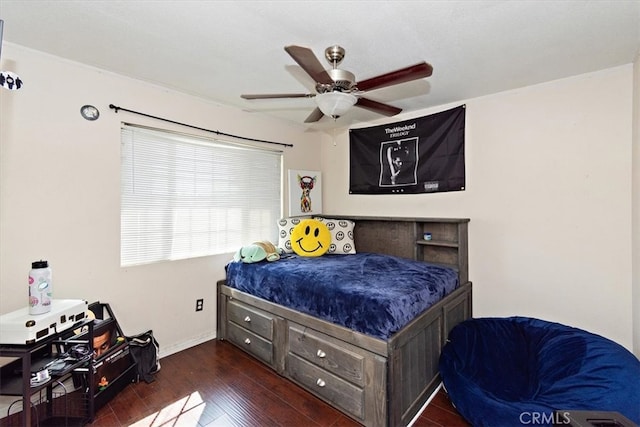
[(285, 226), (341, 235)]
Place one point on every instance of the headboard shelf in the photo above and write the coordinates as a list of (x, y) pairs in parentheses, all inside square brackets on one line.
[(437, 243), (389, 235)]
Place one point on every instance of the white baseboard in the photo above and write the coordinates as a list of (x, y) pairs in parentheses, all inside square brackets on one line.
[(425, 404), (175, 348)]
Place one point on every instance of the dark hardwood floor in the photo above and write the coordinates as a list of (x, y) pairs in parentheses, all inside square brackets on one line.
[(216, 384)]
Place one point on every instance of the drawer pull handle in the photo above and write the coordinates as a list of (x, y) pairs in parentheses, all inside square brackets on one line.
[(247, 341), (247, 319), (320, 382), (321, 354)]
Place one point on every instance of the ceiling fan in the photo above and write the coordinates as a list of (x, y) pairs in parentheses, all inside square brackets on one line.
[(337, 90)]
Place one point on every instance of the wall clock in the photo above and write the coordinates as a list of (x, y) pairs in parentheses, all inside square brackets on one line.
[(89, 112)]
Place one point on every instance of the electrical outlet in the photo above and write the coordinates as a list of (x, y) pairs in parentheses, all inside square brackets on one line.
[(199, 304)]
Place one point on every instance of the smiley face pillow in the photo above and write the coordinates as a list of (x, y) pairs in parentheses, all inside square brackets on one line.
[(310, 238)]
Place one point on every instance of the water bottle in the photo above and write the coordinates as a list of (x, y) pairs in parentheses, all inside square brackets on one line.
[(40, 287)]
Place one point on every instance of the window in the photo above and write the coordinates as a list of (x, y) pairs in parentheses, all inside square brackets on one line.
[(184, 196)]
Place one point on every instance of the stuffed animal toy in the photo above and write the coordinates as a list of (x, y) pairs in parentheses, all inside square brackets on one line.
[(256, 252)]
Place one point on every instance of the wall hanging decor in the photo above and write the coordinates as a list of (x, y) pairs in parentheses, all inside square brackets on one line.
[(8, 79), (421, 155), (305, 192)]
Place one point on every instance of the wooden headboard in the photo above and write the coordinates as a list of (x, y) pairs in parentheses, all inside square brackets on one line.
[(404, 237)]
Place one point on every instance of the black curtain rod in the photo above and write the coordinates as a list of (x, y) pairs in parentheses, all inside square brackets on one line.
[(113, 107)]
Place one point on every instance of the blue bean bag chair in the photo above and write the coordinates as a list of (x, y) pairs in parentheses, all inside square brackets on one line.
[(518, 370)]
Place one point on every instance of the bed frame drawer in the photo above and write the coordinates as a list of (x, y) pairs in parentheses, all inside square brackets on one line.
[(320, 350), (326, 385), (251, 318), (250, 342)]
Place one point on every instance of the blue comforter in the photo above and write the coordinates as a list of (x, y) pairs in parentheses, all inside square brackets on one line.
[(371, 293)]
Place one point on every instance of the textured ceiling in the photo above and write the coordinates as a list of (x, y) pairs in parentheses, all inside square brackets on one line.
[(218, 50)]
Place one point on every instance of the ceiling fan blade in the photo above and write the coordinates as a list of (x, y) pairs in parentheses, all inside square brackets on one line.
[(309, 63), (407, 74), (377, 107), (278, 95), (314, 116)]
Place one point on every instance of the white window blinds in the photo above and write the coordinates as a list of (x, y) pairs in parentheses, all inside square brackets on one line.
[(184, 196)]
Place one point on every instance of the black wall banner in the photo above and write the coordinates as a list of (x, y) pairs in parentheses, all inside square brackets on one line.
[(421, 155)]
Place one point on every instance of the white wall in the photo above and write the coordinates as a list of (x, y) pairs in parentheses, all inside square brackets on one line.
[(60, 194), (548, 172)]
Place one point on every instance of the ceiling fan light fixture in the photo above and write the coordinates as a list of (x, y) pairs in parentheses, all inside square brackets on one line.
[(335, 104)]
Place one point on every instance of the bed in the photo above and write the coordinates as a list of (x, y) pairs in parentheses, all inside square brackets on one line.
[(375, 363)]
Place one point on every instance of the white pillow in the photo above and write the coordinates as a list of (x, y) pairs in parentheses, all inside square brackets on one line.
[(341, 235), (285, 226)]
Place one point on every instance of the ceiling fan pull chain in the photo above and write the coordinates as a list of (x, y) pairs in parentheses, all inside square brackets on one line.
[(334, 133)]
